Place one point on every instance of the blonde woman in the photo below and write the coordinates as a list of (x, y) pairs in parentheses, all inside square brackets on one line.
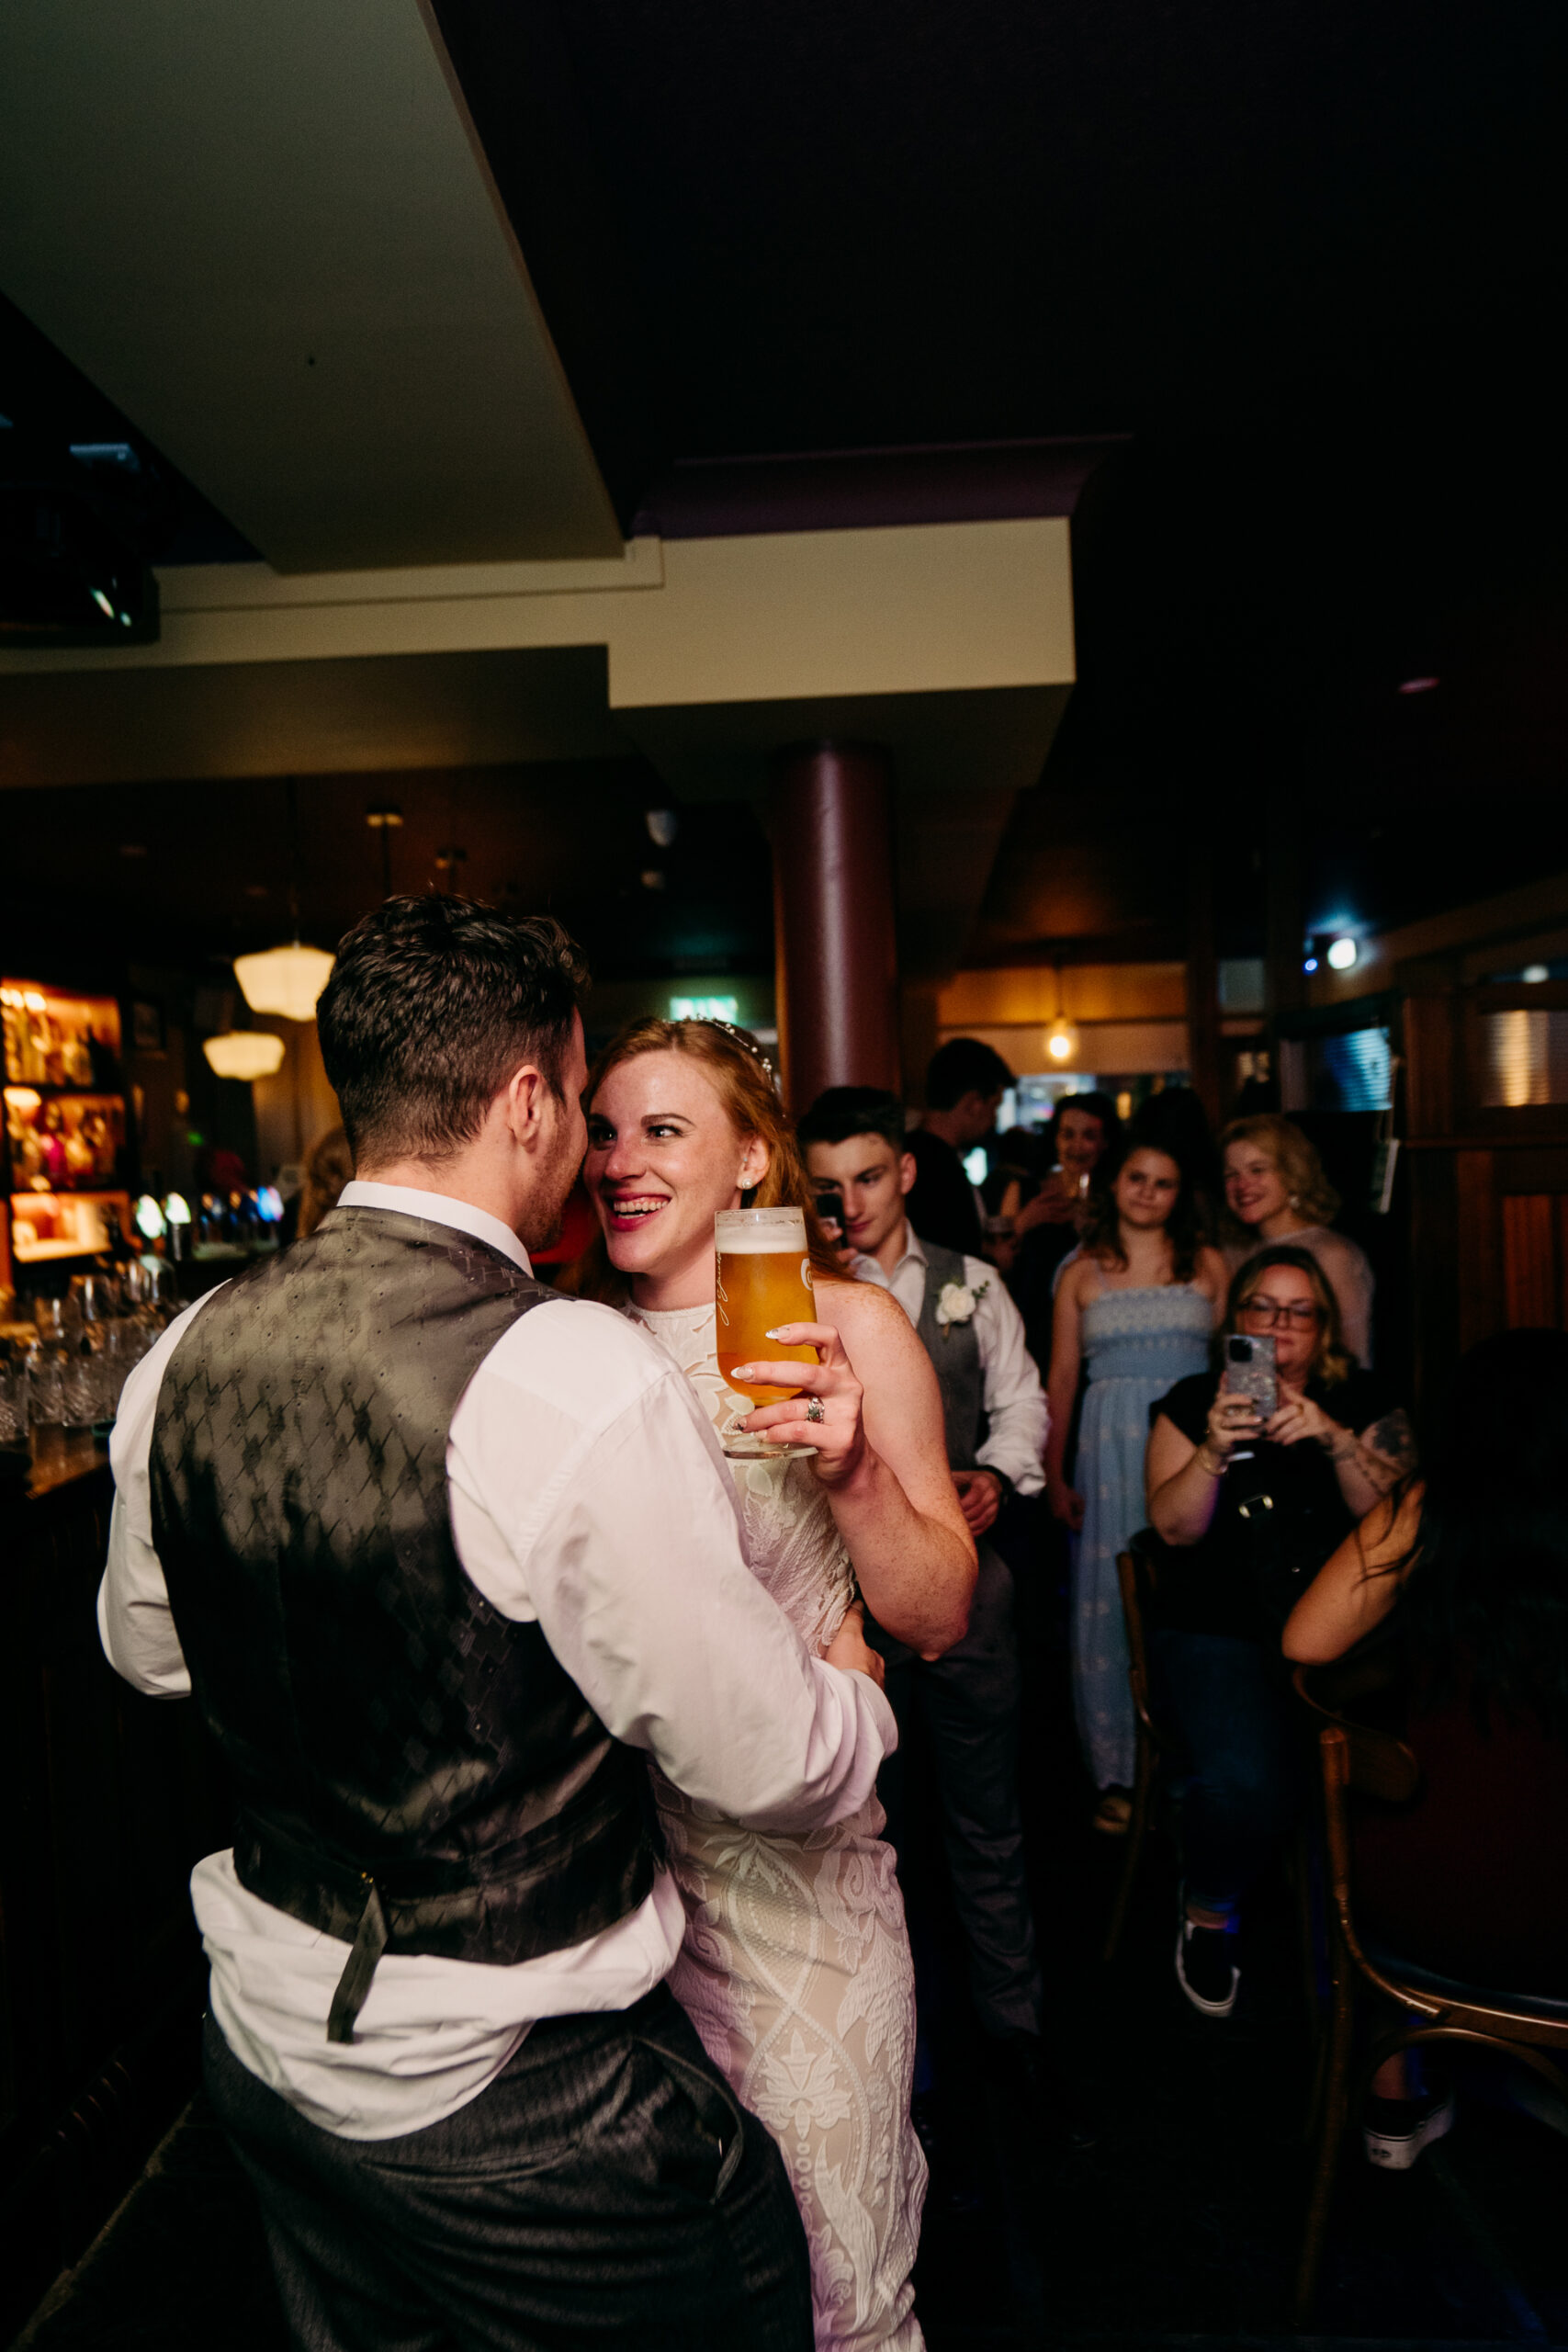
[(795, 1967), (1276, 1191)]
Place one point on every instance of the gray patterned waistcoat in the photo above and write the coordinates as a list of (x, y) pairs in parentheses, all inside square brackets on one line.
[(955, 1350), (415, 1772)]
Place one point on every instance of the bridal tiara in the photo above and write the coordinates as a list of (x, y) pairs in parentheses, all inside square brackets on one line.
[(741, 1037)]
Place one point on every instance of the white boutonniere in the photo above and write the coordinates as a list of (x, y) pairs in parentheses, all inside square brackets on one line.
[(956, 1304)]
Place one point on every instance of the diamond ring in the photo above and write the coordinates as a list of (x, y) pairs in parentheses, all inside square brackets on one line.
[(814, 1410)]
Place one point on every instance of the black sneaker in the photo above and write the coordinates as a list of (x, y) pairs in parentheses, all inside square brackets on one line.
[(1394, 2131), (1204, 1969)]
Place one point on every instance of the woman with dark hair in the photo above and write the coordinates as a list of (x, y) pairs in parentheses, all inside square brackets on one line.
[(1468, 1569), (1049, 1227), (1247, 1511), (1135, 1306), (1175, 1119)]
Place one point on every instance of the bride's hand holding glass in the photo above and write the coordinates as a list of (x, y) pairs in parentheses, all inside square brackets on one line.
[(826, 1413)]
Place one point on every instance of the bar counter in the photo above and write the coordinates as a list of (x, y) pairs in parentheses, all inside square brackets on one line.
[(110, 1799)]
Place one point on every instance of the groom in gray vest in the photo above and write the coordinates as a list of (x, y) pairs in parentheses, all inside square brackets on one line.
[(995, 1412), (443, 1558)]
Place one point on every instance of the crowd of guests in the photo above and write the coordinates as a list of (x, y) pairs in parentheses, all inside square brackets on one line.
[(1117, 1260), (573, 1697)]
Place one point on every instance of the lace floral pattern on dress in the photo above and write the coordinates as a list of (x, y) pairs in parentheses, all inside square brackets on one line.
[(796, 1968)]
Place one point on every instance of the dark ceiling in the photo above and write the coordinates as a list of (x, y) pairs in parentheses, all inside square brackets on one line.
[(1301, 254), (1272, 294), (183, 870), (824, 225)]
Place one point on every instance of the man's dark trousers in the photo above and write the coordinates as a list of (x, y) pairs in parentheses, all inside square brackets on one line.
[(605, 2189), (967, 1703)]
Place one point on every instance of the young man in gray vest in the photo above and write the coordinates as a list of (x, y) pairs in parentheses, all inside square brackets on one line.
[(853, 1137), (444, 1557)]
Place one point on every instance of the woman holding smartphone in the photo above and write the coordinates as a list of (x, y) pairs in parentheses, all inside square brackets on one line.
[(1248, 1507)]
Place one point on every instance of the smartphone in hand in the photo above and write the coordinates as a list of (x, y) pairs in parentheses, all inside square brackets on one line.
[(830, 1211), (1250, 1372)]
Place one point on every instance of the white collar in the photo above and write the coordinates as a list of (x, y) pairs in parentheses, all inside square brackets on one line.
[(913, 1249), (439, 1208)]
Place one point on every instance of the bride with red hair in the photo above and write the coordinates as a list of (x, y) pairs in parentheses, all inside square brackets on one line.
[(795, 1967)]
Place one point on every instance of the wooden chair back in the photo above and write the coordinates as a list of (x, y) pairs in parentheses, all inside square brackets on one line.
[(1359, 1760)]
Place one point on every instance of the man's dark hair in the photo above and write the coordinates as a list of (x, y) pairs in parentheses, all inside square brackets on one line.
[(963, 1066), (432, 1004), (841, 1112)]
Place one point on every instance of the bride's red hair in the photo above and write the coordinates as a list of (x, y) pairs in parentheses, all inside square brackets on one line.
[(742, 1077)]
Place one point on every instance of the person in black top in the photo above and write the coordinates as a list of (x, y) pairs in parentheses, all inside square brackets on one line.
[(1460, 1581), (964, 1085), (1247, 1512)]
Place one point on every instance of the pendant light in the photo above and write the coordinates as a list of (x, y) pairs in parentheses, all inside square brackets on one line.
[(286, 980), (245, 1053), (1061, 1037)]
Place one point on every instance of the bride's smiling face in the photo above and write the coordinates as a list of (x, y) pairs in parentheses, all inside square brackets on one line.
[(663, 1157)]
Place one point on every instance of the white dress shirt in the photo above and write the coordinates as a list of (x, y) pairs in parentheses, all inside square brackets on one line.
[(1016, 1410), (588, 1493)]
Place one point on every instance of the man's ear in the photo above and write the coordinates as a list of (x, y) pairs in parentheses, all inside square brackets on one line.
[(907, 1173), (524, 1095)]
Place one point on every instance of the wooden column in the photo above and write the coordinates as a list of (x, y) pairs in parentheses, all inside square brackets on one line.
[(834, 933)]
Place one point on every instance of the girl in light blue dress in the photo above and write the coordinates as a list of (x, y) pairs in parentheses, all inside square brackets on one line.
[(1137, 1306)]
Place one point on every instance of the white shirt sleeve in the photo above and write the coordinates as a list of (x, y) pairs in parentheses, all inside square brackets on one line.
[(1015, 1401), (136, 1624), (591, 1494), (629, 1555)]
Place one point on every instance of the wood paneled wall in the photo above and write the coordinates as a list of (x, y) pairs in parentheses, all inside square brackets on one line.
[(1488, 1192)]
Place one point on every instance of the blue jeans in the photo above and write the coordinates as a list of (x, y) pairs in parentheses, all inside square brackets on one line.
[(1230, 1703)]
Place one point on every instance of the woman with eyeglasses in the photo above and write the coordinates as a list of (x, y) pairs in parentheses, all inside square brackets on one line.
[(1247, 1511), (1276, 1191)]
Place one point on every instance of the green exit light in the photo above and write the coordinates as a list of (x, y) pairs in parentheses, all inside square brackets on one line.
[(704, 1008)]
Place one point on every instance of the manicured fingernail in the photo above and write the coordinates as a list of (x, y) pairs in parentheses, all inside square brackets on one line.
[(742, 1372), (778, 1334)]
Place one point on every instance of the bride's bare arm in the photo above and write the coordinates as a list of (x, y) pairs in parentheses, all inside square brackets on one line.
[(889, 1481)]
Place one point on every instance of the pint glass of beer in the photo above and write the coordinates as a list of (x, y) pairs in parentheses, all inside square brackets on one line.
[(764, 1279)]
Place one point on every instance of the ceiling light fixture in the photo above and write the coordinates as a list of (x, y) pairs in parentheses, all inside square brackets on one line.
[(286, 979), (663, 824), (1342, 954), (246, 1053), (1061, 1037)]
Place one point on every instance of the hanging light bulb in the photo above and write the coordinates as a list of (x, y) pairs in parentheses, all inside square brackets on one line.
[(245, 1053), (284, 979), (1061, 1038)]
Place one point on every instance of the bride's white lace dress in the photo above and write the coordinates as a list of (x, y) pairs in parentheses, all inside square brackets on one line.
[(796, 1968)]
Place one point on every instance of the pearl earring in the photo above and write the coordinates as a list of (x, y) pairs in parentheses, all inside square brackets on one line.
[(1295, 1201)]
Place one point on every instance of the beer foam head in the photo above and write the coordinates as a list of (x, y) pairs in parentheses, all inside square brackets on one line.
[(755, 1233)]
